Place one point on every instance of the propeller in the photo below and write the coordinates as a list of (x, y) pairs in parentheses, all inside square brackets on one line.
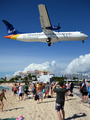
[(59, 27)]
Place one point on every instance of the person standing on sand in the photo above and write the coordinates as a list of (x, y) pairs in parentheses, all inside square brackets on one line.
[(40, 92), (26, 90), (51, 90), (60, 100), (34, 91), (21, 92), (71, 87), (80, 86), (47, 88), (85, 90), (2, 95), (15, 89)]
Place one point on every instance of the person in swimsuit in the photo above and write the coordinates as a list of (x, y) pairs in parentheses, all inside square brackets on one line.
[(40, 92), (2, 95), (15, 89)]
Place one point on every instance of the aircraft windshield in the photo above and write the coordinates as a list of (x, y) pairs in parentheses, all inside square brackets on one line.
[(81, 32)]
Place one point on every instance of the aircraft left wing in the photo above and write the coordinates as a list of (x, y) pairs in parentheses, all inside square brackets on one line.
[(44, 19)]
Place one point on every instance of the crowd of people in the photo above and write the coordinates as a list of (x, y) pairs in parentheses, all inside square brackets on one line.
[(46, 90)]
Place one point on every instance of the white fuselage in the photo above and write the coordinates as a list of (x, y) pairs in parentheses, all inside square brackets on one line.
[(55, 37)]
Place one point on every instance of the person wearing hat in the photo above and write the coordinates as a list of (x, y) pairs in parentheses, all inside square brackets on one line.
[(60, 100)]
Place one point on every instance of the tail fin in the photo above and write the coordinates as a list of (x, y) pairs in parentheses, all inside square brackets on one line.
[(10, 29)]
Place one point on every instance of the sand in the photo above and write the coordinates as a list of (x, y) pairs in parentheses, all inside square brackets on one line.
[(30, 110)]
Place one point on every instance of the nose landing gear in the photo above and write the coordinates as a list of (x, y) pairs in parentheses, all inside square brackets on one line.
[(82, 41)]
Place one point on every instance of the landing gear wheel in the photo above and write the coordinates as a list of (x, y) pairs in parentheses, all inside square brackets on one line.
[(49, 44), (82, 41), (48, 40)]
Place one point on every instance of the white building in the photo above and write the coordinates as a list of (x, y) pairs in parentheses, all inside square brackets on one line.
[(45, 78)]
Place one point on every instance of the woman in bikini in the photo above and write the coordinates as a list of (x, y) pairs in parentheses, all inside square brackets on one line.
[(2, 95)]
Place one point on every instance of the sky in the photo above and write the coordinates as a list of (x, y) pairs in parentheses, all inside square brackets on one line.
[(59, 58)]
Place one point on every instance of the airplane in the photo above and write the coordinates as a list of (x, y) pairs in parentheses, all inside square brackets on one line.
[(48, 35)]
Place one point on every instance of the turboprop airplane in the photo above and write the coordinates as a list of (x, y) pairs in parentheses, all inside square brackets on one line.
[(48, 35)]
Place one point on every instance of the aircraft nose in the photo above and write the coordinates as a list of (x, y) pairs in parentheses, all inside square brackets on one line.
[(86, 36)]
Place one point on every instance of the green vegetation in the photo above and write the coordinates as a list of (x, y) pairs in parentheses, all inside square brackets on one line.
[(59, 78), (27, 79)]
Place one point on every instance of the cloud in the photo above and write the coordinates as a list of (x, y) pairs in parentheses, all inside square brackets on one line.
[(52, 67), (79, 65)]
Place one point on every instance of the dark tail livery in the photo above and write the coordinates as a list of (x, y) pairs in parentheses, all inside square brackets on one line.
[(10, 29)]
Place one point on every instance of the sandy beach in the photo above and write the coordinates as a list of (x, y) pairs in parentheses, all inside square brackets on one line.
[(30, 110)]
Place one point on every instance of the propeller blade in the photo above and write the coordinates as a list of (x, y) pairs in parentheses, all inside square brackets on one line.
[(59, 26)]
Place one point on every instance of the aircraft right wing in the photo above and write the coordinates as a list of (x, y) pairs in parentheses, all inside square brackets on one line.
[(44, 19)]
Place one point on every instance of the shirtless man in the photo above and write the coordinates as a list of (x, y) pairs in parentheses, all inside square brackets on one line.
[(2, 95), (15, 89), (40, 92)]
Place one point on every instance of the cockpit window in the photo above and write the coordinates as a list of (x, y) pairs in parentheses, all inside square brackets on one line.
[(81, 32)]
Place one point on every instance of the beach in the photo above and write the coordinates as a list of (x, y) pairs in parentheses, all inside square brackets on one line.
[(30, 110)]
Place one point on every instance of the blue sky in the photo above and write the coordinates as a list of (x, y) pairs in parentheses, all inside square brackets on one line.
[(74, 15)]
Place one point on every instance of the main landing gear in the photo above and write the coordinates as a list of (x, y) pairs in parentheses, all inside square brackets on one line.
[(49, 41), (49, 44), (82, 41)]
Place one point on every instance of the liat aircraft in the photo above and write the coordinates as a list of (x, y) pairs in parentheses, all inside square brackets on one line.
[(48, 35)]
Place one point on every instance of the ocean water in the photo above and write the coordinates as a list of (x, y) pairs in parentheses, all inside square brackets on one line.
[(2, 87)]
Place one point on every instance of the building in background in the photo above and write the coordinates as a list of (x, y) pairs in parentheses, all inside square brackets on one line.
[(77, 75), (36, 73)]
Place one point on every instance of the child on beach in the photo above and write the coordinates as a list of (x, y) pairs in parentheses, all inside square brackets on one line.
[(2, 95)]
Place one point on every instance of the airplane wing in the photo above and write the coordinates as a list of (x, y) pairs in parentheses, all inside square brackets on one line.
[(44, 19)]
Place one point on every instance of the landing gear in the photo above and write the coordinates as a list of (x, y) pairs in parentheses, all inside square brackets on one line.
[(82, 41), (49, 44), (49, 41)]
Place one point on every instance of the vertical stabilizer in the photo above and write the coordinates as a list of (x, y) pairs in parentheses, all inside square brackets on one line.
[(10, 29)]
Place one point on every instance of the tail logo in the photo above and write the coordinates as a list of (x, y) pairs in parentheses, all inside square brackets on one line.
[(11, 31)]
